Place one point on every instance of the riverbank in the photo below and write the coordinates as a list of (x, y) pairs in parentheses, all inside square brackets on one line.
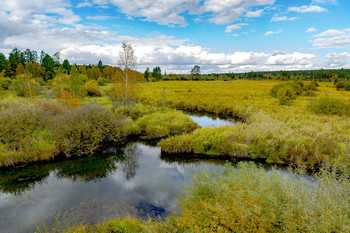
[(47, 129), (286, 134)]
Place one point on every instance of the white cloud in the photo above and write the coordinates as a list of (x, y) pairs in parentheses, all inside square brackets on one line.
[(332, 38), (324, 1), (338, 60), (237, 26), (22, 10), (171, 12), (277, 18), (309, 30), (254, 14), (307, 9), (273, 32), (98, 17), (280, 58), (84, 4), (330, 33)]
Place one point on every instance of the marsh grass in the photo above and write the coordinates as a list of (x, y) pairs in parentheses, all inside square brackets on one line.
[(287, 134), (163, 124)]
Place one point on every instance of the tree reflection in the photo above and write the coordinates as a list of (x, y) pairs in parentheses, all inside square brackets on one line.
[(130, 164)]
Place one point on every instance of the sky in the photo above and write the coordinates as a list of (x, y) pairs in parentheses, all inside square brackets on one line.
[(218, 35)]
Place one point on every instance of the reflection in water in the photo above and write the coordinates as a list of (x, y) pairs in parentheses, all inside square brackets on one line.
[(207, 121), (138, 181), (135, 182)]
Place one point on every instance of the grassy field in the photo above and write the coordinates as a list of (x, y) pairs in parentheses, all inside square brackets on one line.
[(287, 134)]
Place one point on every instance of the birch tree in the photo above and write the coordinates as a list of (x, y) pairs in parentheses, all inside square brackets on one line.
[(127, 61)]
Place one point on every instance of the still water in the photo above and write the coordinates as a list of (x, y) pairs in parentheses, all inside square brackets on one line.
[(137, 180)]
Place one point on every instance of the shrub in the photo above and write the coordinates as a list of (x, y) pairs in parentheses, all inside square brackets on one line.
[(286, 95), (343, 86), (310, 87), (133, 110), (92, 88), (309, 93), (84, 130), (102, 81), (330, 105), (248, 199), (5, 83), (275, 89)]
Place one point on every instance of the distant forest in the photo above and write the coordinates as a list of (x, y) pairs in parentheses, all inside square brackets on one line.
[(44, 67)]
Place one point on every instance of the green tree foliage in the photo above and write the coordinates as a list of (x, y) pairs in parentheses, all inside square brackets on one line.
[(157, 73), (2, 62), (48, 63), (146, 74), (66, 66)]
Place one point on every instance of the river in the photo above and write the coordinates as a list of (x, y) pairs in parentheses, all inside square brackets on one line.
[(137, 180)]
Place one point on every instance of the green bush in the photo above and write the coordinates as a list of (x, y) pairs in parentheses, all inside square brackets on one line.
[(92, 88), (343, 86), (38, 132), (5, 83), (102, 81), (309, 93), (286, 95), (310, 87), (275, 89), (330, 105), (134, 110), (248, 199), (84, 130)]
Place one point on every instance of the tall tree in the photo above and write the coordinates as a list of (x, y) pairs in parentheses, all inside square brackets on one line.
[(146, 74), (2, 62), (157, 73), (66, 66), (48, 63), (15, 58), (127, 61)]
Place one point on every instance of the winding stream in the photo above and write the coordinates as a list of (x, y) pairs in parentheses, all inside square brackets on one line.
[(136, 181)]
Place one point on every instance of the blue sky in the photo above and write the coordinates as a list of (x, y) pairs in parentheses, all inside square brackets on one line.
[(217, 35)]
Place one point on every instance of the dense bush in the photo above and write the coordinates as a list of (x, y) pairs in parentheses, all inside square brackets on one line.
[(248, 199), (309, 93), (310, 87), (84, 130), (286, 95), (330, 105), (34, 133), (343, 86), (134, 110), (92, 88)]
